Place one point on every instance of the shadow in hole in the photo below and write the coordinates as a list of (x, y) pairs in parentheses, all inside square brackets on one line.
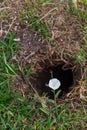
[(65, 77)]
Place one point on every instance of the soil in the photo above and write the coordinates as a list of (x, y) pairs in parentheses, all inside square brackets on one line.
[(43, 55)]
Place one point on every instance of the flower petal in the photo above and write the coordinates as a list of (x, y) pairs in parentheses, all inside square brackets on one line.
[(54, 83)]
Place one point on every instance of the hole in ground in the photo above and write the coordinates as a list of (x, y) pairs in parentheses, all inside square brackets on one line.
[(64, 76)]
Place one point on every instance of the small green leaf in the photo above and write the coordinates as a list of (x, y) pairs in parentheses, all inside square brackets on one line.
[(44, 110)]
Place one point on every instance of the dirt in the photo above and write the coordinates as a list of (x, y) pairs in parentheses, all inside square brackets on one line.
[(41, 54)]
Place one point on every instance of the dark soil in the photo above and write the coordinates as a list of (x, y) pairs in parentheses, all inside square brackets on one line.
[(64, 76)]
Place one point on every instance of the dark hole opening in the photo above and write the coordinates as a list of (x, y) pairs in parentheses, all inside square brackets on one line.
[(64, 76)]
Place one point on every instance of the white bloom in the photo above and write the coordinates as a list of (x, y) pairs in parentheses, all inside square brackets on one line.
[(54, 83)]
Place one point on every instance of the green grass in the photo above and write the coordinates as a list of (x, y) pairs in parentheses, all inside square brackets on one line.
[(80, 11), (33, 17), (81, 56), (84, 2)]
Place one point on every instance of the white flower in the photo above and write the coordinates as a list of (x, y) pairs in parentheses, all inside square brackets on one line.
[(54, 83)]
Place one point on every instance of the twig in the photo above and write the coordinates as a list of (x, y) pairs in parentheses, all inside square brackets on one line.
[(1, 31), (1, 9), (10, 25), (44, 16), (48, 13)]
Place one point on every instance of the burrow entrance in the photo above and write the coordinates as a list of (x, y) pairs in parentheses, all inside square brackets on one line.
[(45, 59), (51, 60), (65, 76)]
